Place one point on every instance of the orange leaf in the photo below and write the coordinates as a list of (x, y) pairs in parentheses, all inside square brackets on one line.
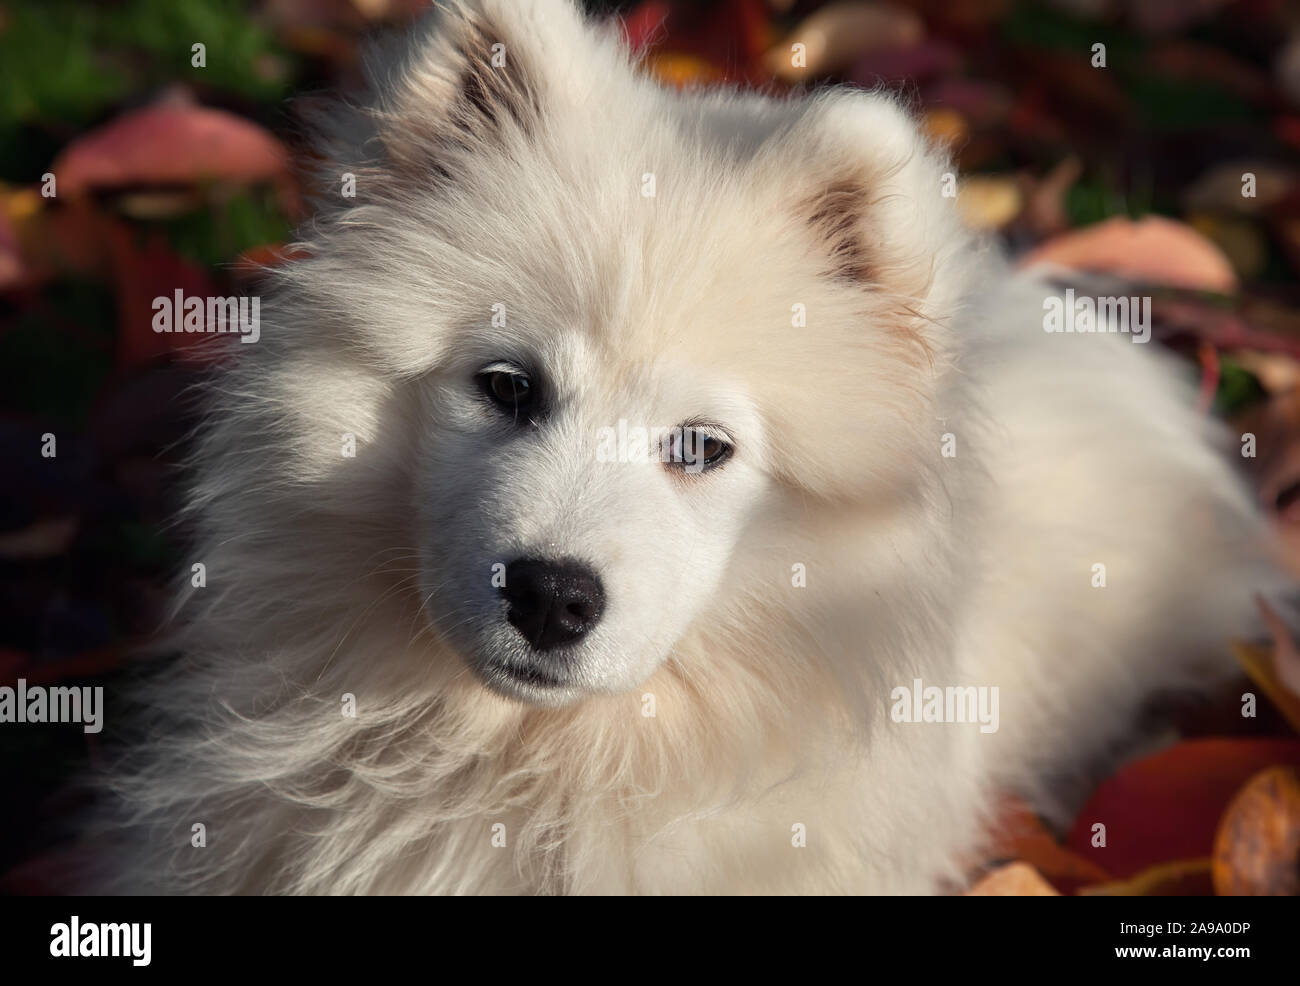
[(1013, 880), (1257, 850), (1157, 250)]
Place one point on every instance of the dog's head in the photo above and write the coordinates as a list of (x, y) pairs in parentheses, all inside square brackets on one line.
[(638, 328)]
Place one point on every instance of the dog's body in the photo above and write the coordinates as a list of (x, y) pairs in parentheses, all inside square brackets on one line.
[(917, 483)]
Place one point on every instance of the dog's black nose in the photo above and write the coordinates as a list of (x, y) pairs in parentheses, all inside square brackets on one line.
[(552, 602)]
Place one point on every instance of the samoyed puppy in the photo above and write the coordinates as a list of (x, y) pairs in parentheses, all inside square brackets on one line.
[(637, 491)]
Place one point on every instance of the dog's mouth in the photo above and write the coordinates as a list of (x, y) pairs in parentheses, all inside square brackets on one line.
[(509, 675)]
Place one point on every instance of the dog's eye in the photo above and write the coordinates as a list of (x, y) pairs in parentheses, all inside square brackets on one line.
[(511, 391), (696, 451)]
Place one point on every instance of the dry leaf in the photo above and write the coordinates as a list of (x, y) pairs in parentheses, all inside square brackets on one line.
[(1181, 878), (172, 144), (1257, 849), (989, 202), (840, 32), (1153, 249), (1013, 880)]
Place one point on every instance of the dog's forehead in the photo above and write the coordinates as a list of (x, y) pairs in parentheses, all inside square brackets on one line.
[(577, 361), (605, 379)]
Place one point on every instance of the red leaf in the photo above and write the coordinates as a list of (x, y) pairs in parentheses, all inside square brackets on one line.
[(173, 144), (1167, 806)]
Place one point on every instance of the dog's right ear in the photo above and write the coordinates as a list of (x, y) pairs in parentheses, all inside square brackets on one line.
[(474, 76), (464, 81)]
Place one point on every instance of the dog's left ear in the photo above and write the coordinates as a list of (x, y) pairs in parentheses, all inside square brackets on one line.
[(865, 197), (878, 199)]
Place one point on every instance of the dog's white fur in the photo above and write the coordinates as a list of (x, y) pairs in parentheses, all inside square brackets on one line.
[(372, 576)]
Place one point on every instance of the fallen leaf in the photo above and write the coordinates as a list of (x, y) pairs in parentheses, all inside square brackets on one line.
[(1181, 878), (173, 144), (1021, 835), (989, 201), (945, 126), (1013, 880), (835, 35), (680, 70), (1257, 849), (1154, 249), (1276, 372), (1167, 806)]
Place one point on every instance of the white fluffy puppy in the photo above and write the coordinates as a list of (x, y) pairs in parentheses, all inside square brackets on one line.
[(610, 469)]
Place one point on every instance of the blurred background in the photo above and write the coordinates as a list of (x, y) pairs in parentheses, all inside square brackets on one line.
[(150, 145)]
